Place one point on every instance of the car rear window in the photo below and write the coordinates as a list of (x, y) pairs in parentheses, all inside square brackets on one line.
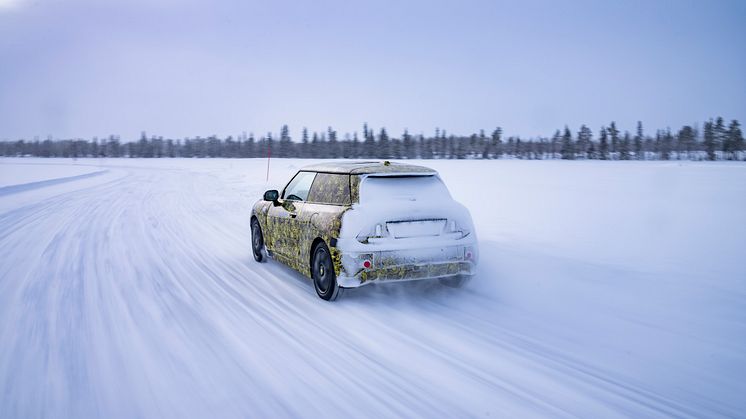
[(410, 188), (330, 188)]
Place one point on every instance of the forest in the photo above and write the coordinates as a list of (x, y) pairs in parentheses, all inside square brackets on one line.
[(716, 140)]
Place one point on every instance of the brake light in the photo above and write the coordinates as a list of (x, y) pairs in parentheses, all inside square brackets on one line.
[(469, 253)]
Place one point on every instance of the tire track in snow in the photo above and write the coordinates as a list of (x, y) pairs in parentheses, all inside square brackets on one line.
[(138, 297)]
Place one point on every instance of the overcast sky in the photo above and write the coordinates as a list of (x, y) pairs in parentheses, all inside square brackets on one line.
[(81, 68)]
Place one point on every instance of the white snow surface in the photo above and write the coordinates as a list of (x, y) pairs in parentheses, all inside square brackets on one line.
[(23, 173), (605, 289)]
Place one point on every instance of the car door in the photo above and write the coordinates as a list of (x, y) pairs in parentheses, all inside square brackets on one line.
[(282, 219), (322, 213)]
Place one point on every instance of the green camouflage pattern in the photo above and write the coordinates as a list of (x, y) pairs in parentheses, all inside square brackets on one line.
[(290, 240), (398, 272), (330, 188), (355, 188)]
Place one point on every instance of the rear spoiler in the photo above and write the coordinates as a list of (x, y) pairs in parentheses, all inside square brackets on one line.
[(411, 174)]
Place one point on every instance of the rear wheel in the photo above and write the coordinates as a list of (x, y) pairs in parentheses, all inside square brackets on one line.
[(457, 281), (257, 241), (322, 273)]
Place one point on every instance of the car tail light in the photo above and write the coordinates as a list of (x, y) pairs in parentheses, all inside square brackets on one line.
[(468, 253)]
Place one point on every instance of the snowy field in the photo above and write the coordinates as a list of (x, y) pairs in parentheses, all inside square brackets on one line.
[(605, 289)]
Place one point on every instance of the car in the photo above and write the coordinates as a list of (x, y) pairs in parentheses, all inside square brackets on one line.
[(350, 224)]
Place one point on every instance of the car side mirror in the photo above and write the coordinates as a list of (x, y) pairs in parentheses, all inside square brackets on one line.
[(271, 195)]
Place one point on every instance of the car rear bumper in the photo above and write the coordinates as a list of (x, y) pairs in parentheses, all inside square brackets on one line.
[(406, 265)]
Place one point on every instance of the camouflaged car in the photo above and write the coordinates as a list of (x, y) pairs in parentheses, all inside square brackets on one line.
[(345, 225)]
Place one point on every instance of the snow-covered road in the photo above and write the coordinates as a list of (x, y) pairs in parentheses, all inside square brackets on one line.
[(605, 289)]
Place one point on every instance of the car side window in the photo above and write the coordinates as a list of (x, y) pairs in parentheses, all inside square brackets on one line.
[(298, 188), (330, 188)]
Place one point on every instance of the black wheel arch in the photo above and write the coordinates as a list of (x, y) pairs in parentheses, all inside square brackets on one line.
[(315, 243)]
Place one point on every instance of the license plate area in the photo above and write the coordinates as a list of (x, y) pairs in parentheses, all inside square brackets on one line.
[(419, 256), (416, 228)]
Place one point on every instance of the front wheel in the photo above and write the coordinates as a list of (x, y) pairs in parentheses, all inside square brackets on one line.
[(322, 273), (257, 241)]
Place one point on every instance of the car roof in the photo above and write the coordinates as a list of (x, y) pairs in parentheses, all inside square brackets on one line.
[(368, 167)]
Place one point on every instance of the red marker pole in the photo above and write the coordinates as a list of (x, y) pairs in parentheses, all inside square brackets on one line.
[(269, 155)]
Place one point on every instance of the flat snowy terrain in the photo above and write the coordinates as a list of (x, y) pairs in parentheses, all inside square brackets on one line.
[(605, 289)]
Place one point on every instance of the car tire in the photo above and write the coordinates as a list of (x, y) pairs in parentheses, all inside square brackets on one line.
[(457, 281), (322, 273), (257, 241)]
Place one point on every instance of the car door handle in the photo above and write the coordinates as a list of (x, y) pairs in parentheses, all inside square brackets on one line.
[(293, 215)]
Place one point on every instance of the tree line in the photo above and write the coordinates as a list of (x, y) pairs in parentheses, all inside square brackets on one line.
[(717, 140)]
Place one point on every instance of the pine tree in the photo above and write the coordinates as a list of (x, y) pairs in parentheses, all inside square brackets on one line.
[(624, 147), (721, 135), (93, 147), (497, 146), (369, 143), (685, 140), (284, 149), (408, 145), (585, 136), (485, 145), (614, 137), (603, 145), (567, 151), (304, 145), (461, 148), (592, 151), (709, 140), (639, 155), (315, 145), (556, 139), (666, 143), (355, 146), (251, 150), (332, 148), (383, 149), (735, 139), (451, 147), (445, 147)]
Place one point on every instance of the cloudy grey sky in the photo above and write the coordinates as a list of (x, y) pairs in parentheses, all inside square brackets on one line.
[(185, 68)]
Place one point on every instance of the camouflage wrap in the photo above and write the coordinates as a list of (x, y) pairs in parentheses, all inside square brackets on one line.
[(330, 188), (291, 228), (416, 271), (355, 188), (290, 239), (324, 222)]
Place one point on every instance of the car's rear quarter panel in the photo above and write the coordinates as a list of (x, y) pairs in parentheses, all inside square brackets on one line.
[(324, 222)]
